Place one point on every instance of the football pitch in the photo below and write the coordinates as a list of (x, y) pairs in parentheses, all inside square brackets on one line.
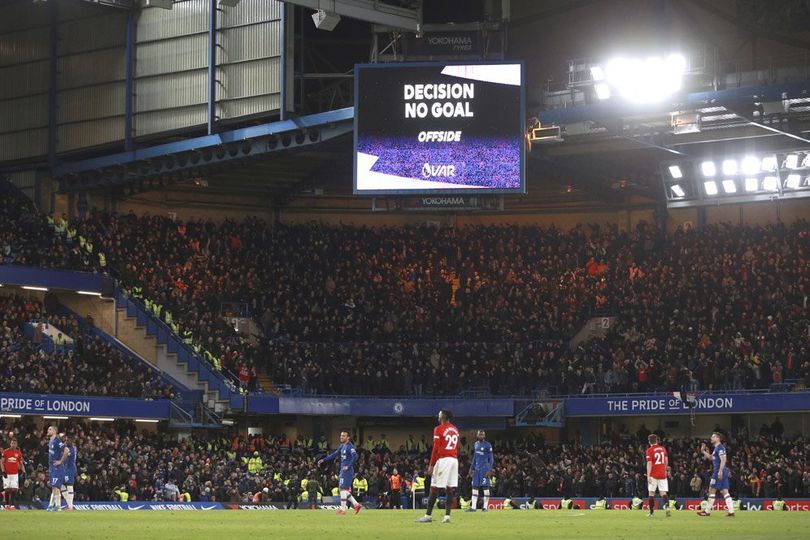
[(393, 525)]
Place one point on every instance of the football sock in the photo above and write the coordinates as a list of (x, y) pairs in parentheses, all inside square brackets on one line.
[(651, 503), (69, 496), (486, 499), (729, 503), (351, 499), (665, 499), (431, 502), (711, 504), (448, 502), (474, 504)]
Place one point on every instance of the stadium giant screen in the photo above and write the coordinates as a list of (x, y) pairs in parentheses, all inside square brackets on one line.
[(439, 128)]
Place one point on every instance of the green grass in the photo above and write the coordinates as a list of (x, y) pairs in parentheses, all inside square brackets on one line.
[(393, 525)]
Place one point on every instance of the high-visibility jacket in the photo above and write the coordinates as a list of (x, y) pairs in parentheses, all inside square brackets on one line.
[(123, 496), (88, 246), (464, 504), (705, 505), (304, 496), (600, 504), (102, 260), (507, 504), (255, 465), (636, 503), (360, 486), (49, 219), (335, 492), (411, 446), (566, 504), (418, 484), (323, 446), (186, 496), (779, 505), (673, 504)]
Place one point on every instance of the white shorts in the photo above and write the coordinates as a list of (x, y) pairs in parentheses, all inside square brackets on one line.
[(12, 481), (445, 473), (654, 483)]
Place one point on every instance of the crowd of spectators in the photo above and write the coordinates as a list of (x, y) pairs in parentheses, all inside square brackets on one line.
[(33, 362), (156, 466), (423, 310), (413, 310)]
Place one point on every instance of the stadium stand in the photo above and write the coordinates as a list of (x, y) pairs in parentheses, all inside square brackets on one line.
[(31, 361), (415, 310), (152, 466)]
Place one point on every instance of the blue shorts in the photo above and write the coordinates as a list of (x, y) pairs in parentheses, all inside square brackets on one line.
[(720, 484), (70, 480), (345, 480), (56, 478), (480, 479)]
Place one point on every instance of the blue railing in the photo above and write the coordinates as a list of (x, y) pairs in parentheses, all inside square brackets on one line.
[(224, 383)]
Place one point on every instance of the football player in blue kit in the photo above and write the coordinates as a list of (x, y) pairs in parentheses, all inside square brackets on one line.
[(721, 475), (348, 456), (480, 470), (70, 471), (57, 455)]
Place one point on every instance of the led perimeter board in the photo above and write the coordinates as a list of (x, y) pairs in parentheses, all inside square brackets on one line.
[(431, 128)]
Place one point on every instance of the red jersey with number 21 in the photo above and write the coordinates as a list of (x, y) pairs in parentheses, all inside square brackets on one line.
[(657, 455), (445, 442)]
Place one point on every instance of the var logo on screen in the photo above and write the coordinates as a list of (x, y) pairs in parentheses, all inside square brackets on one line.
[(439, 128), (430, 171)]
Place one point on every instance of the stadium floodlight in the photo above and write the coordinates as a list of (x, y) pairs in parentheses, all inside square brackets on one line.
[(793, 181), (55, 417), (769, 164), (710, 187), (751, 184), (597, 73), (750, 165), (100, 419), (677, 190), (10, 416), (602, 91), (89, 293), (770, 183), (146, 421), (729, 166), (228, 422), (729, 186), (708, 169), (675, 171), (792, 161), (646, 81), (32, 288)]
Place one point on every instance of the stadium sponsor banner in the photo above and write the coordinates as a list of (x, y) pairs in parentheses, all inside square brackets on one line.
[(58, 405), (143, 505), (493, 408), (443, 43), (496, 503), (704, 404)]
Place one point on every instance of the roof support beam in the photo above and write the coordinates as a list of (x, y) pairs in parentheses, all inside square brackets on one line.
[(367, 10)]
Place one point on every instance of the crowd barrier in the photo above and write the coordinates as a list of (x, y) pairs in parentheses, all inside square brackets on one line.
[(495, 503)]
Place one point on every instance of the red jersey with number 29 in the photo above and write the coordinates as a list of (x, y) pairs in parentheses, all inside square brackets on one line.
[(657, 455), (445, 442)]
